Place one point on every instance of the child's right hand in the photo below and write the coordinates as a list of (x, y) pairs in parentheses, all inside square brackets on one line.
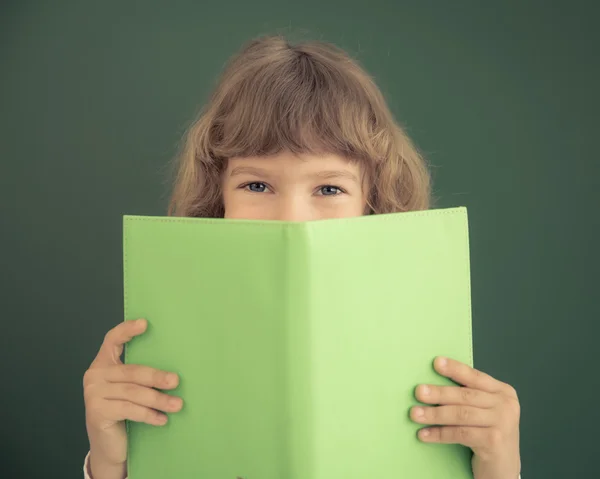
[(113, 392)]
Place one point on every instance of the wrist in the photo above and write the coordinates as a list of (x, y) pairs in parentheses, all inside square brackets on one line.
[(99, 468), (504, 467)]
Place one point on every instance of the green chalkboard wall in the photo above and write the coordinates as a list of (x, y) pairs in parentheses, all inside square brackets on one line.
[(502, 97)]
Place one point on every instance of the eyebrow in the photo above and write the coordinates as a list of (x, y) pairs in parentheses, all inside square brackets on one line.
[(333, 174), (325, 175), (241, 170)]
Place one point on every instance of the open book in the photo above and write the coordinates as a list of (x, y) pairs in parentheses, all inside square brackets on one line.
[(298, 345)]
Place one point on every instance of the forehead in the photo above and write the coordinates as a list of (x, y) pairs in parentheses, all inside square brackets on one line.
[(287, 163)]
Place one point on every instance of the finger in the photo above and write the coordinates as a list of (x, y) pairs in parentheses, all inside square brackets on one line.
[(143, 396), (112, 347), (448, 395), (467, 376), (453, 416), (119, 410), (473, 437), (142, 375)]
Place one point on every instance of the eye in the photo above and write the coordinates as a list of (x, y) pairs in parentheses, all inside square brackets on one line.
[(256, 187), (329, 190)]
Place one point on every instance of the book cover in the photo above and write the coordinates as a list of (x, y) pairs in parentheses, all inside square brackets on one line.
[(298, 345)]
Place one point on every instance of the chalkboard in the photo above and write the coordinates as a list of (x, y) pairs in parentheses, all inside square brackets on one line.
[(502, 98)]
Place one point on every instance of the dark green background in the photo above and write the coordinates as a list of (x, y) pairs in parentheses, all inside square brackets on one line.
[(502, 97)]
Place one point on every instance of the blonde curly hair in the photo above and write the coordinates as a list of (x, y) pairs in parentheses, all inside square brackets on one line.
[(311, 98)]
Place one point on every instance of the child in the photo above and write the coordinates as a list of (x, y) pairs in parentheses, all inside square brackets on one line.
[(297, 133)]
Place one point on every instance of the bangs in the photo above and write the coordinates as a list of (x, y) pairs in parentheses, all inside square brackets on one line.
[(296, 103)]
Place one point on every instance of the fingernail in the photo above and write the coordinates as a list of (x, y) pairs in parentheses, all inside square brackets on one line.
[(162, 420), (175, 402), (171, 378), (442, 362), (418, 412), (424, 432), (425, 390)]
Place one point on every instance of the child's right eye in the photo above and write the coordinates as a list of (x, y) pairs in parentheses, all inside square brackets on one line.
[(256, 187)]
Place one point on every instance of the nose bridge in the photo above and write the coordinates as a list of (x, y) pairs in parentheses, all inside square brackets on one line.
[(294, 207)]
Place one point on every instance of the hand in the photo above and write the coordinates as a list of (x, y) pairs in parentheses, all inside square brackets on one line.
[(113, 392), (482, 415)]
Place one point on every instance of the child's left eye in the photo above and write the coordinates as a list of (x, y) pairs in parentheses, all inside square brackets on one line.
[(329, 190), (256, 187)]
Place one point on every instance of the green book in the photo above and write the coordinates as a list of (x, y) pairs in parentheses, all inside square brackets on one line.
[(299, 345)]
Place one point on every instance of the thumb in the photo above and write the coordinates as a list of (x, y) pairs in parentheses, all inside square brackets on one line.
[(114, 341)]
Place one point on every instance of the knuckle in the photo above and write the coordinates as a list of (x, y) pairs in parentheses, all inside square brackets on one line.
[(130, 390), (88, 377), (435, 394), (118, 373), (89, 392), (446, 434), (128, 410), (513, 408), (462, 413), (463, 434), (113, 334), (162, 401), (511, 391), (90, 384), (494, 438), (93, 408), (467, 395), (153, 398), (129, 372), (159, 378), (150, 415), (108, 337)]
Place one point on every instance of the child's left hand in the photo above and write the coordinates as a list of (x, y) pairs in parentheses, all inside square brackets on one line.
[(482, 415)]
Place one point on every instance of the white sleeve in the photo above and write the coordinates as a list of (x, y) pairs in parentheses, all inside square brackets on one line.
[(86, 467)]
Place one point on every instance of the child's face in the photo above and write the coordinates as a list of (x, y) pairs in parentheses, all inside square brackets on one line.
[(290, 188)]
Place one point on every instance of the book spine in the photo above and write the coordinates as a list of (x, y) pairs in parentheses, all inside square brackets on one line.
[(125, 318), (299, 397)]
